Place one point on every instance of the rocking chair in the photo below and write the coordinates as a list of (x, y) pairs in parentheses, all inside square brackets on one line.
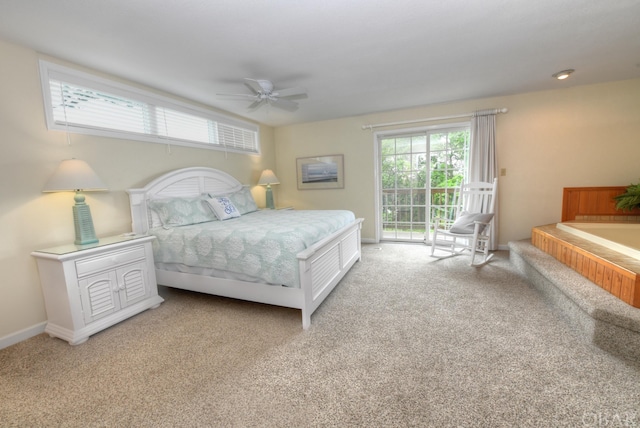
[(472, 228)]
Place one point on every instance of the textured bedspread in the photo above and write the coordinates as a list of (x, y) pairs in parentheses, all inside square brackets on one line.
[(262, 244)]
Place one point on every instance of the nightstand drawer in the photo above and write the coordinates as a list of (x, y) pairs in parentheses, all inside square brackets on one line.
[(113, 259)]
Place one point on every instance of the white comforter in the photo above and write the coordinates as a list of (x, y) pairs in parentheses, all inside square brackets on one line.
[(261, 244)]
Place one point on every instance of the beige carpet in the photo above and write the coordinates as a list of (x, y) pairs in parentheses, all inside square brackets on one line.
[(402, 341)]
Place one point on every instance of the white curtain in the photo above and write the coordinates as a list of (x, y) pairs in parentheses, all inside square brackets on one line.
[(483, 162)]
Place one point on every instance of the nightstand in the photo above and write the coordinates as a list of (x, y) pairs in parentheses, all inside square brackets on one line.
[(88, 288)]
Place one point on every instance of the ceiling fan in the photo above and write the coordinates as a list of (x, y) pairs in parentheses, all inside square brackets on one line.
[(264, 93)]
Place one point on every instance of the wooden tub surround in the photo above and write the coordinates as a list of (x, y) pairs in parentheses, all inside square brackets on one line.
[(615, 272), (595, 204)]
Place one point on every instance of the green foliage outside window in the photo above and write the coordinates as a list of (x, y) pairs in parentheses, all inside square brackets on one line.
[(404, 177)]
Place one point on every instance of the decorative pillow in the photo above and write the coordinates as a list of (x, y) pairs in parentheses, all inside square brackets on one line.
[(181, 211), (242, 200), (465, 223), (223, 207)]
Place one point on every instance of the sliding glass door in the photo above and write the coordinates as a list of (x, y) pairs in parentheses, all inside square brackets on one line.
[(404, 172), (408, 199), (449, 151)]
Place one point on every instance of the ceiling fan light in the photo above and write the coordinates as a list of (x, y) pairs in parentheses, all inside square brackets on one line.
[(266, 85), (561, 75)]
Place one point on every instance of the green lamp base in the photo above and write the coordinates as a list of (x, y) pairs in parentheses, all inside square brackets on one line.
[(85, 233), (269, 197)]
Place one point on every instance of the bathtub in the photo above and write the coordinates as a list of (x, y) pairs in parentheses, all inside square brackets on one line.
[(621, 237)]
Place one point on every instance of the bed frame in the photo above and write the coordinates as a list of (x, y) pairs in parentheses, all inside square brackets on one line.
[(322, 265)]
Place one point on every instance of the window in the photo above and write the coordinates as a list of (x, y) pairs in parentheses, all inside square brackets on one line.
[(83, 103), (420, 174)]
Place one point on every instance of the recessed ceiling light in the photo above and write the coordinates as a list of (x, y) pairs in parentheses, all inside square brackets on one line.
[(561, 75)]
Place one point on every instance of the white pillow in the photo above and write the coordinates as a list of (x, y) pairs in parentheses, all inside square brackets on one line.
[(223, 207), (242, 200), (465, 224)]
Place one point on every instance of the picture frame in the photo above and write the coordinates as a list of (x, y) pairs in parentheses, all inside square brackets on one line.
[(320, 172)]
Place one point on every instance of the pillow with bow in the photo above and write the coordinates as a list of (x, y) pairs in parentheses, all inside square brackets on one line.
[(242, 200), (223, 207)]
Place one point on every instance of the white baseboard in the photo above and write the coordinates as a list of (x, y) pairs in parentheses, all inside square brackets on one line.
[(21, 335), (503, 247)]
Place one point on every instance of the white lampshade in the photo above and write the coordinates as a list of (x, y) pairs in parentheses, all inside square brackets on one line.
[(268, 177), (74, 175)]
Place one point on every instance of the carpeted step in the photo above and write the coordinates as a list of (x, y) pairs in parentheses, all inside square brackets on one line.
[(601, 318)]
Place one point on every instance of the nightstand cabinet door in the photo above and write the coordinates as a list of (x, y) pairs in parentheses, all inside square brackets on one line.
[(99, 295), (108, 292), (133, 285)]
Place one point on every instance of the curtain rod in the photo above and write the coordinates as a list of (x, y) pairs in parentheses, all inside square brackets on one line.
[(430, 119)]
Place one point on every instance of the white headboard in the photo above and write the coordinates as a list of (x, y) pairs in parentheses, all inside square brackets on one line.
[(186, 182)]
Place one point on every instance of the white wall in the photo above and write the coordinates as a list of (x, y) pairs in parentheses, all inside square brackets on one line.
[(579, 136), (31, 220), (575, 136)]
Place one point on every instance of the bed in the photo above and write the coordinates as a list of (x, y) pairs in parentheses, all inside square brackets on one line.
[(319, 265)]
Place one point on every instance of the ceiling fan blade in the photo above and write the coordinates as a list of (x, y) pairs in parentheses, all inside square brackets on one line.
[(284, 104), (243, 96), (291, 92), (256, 104), (254, 85)]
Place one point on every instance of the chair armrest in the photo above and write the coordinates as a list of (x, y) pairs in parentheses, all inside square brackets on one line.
[(478, 224), (437, 221)]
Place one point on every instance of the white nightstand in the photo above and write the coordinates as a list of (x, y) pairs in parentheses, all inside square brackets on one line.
[(88, 288)]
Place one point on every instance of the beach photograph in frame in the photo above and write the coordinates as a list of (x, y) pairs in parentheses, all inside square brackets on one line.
[(320, 172)]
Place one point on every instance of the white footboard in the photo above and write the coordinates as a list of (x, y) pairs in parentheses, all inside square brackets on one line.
[(324, 264)]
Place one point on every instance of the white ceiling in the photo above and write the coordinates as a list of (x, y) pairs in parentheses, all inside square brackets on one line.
[(353, 56)]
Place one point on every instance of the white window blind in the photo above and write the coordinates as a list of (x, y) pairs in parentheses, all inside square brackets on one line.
[(83, 103)]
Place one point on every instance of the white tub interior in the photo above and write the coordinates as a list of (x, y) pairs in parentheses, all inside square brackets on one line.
[(621, 237)]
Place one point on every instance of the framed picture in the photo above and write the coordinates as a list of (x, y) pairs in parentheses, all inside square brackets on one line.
[(320, 172)]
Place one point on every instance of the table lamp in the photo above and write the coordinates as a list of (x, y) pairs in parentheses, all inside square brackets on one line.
[(76, 175), (268, 178)]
